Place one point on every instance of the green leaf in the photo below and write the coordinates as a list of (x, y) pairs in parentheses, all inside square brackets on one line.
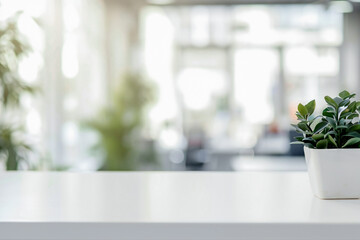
[(303, 126), (357, 104), (331, 102), (306, 125), (352, 107), (301, 138), (320, 126), (355, 127), (351, 96), (318, 136), (344, 102), (311, 107), (344, 94), (331, 121), (348, 122), (351, 142), (313, 124), (309, 145), (297, 142), (341, 110), (322, 144), (353, 115), (303, 132), (328, 133), (338, 100), (341, 127), (302, 110), (312, 119), (352, 134), (332, 140), (308, 140), (342, 122), (328, 112), (344, 115), (299, 116)]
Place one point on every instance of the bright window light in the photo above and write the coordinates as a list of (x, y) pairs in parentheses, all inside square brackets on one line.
[(29, 67), (69, 60), (198, 86), (71, 16), (255, 73), (200, 20), (33, 122), (158, 55)]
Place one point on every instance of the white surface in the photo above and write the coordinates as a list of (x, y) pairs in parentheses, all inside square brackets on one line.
[(170, 205), (269, 163), (334, 173)]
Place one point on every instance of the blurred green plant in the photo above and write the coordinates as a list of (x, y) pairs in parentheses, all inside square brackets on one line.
[(337, 127), (119, 126), (13, 47), (13, 150)]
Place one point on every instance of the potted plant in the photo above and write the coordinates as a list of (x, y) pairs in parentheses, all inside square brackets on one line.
[(332, 146)]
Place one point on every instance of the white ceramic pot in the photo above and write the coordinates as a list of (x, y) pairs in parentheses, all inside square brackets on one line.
[(334, 173)]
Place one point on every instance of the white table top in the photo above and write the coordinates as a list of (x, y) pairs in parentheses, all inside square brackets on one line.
[(169, 205), (269, 163)]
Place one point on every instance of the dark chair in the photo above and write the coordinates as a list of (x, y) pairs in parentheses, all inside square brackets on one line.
[(295, 149)]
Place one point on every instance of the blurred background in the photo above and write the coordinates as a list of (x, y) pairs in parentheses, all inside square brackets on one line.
[(212, 85)]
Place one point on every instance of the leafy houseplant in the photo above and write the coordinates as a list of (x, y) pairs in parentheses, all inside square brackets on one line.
[(332, 146), (337, 127)]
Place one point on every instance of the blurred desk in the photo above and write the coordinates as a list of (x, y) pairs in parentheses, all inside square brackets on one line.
[(170, 206)]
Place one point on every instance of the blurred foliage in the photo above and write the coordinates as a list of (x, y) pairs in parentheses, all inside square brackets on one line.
[(12, 149), (119, 126), (13, 47)]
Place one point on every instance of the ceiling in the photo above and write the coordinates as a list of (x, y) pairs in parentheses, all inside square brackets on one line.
[(233, 2)]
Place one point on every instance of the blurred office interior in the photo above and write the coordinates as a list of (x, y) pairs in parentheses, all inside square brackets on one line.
[(168, 84)]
